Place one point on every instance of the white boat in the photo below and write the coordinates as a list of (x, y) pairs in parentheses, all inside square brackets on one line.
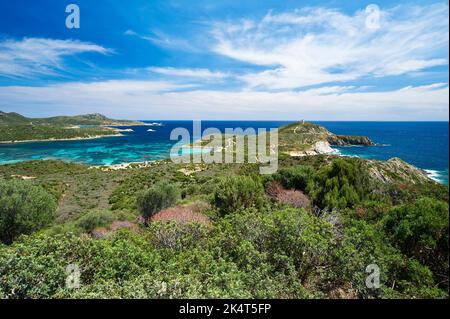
[(150, 130)]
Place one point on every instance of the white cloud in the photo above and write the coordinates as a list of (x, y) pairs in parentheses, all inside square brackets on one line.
[(151, 100), (316, 45), (36, 56), (184, 72)]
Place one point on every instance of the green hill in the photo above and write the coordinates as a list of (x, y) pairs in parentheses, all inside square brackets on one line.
[(12, 119), (88, 119), (16, 128)]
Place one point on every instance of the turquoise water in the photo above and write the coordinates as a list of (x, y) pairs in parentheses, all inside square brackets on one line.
[(423, 144)]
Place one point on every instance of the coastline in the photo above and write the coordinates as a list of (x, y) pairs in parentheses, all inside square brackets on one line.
[(115, 167), (131, 125), (61, 139)]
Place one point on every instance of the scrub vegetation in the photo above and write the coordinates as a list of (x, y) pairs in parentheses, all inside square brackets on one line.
[(223, 231)]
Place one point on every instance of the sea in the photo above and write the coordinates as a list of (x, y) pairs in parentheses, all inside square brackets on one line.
[(423, 144)]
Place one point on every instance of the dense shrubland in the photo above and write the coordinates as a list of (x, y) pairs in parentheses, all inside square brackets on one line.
[(254, 245)]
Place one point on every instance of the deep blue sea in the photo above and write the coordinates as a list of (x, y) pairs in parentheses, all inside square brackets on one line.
[(423, 144)]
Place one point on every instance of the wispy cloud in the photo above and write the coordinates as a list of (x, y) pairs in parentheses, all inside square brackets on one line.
[(317, 45), (163, 40), (185, 72), (37, 56)]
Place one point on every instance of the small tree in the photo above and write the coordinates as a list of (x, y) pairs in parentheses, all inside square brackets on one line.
[(24, 208), (156, 198), (238, 192)]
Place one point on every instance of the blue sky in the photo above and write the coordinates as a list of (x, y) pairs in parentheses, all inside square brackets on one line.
[(318, 60)]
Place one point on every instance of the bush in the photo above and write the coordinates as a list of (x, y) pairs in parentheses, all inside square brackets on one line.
[(24, 208), (420, 230), (238, 192), (292, 241), (292, 197), (298, 177), (364, 244), (35, 267), (361, 245), (156, 198), (341, 185), (173, 235), (369, 211), (92, 220)]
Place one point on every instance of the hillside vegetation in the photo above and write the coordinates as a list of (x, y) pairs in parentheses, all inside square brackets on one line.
[(222, 231)]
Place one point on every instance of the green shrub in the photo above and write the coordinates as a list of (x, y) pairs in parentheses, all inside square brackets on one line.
[(342, 184), (94, 219), (238, 192), (173, 235), (416, 281), (24, 208), (298, 177), (35, 267), (362, 245), (156, 198), (421, 230), (370, 211), (293, 242)]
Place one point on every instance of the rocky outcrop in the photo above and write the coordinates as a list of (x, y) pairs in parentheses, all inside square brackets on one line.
[(321, 147), (396, 170), (302, 139), (349, 140)]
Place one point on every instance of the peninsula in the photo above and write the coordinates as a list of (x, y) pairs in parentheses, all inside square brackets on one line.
[(18, 128)]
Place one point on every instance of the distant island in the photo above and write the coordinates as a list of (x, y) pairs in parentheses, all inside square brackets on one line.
[(18, 128)]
